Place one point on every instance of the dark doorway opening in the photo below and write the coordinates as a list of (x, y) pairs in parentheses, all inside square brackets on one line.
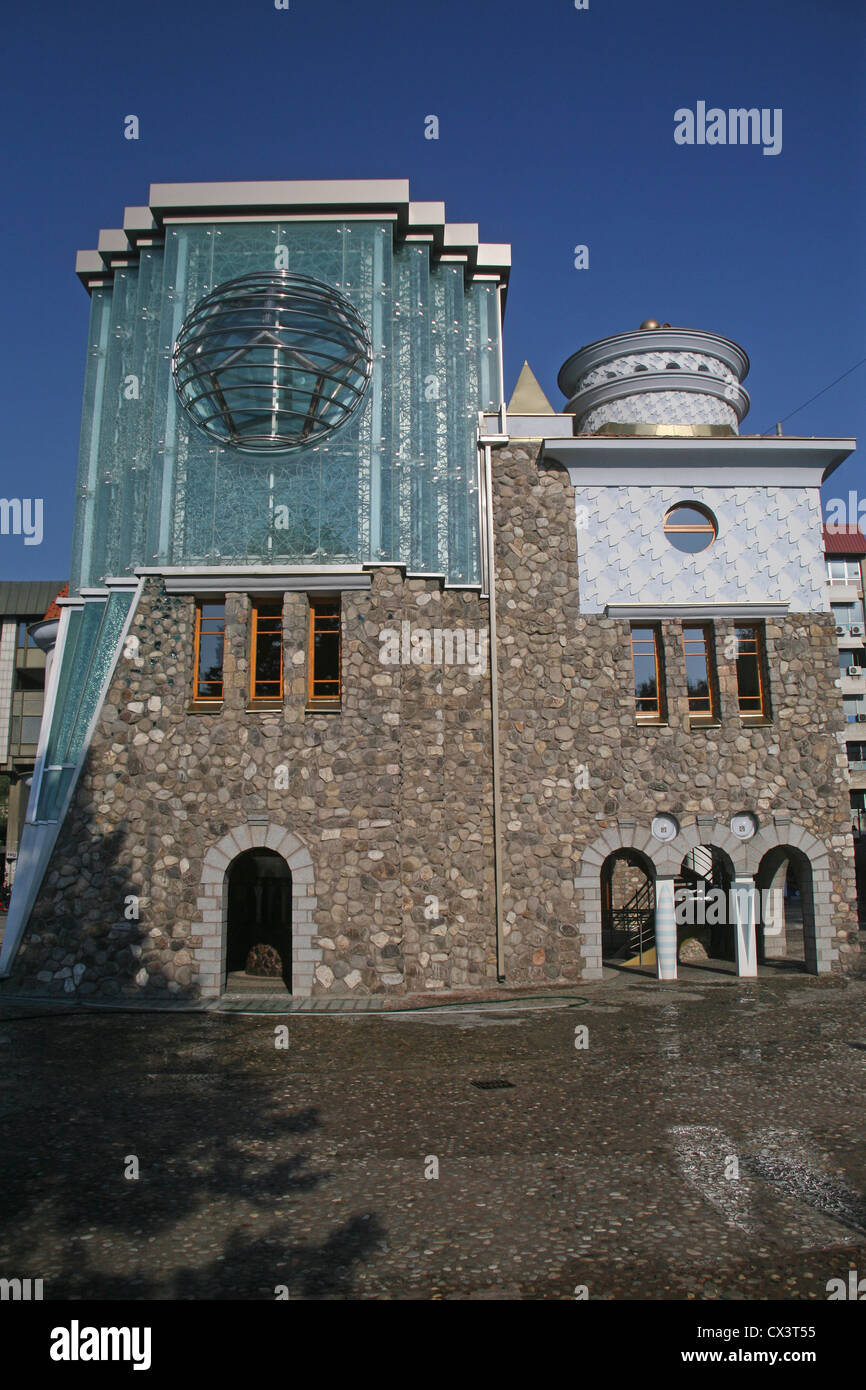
[(786, 929), (628, 909), (259, 925), (703, 906)]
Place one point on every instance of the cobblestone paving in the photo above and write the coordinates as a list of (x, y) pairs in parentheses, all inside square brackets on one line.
[(602, 1166)]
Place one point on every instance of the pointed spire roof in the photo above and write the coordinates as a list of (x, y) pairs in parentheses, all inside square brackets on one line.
[(528, 397)]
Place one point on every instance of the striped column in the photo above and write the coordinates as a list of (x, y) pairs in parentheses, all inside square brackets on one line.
[(743, 900), (666, 929)]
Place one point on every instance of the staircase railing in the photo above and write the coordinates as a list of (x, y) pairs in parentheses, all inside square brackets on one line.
[(637, 917)]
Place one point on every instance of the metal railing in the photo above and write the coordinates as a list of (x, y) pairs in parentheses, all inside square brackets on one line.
[(637, 917)]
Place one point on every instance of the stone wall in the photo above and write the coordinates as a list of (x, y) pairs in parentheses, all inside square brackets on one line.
[(567, 711), (383, 810), (390, 798)]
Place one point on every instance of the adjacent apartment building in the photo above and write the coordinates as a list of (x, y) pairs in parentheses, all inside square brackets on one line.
[(845, 547), (368, 683), (22, 693)]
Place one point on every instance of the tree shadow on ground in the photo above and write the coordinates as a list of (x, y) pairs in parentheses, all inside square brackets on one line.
[(199, 1103)]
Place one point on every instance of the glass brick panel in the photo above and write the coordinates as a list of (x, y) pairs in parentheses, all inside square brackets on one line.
[(397, 482)]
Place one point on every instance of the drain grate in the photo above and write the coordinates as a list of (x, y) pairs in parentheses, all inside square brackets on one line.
[(496, 1084), (861, 1047)]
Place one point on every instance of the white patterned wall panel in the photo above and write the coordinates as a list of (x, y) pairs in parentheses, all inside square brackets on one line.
[(633, 362), (769, 548), (661, 408)]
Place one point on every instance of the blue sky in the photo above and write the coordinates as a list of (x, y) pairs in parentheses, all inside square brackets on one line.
[(555, 129)]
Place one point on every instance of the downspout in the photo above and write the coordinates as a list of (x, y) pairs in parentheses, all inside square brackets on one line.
[(494, 714), (487, 439)]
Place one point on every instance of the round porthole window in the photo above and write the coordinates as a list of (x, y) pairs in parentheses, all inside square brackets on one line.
[(744, 826), (665, 828), (272, 362), (690, 527)]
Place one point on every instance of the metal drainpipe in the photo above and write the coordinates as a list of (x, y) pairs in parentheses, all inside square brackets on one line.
[(494, 716)]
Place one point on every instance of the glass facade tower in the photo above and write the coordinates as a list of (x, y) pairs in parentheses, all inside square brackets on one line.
[(396, 482)]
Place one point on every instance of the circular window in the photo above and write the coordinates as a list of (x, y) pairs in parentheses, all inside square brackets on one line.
[(690, 527), (665, 828), (272, 362)]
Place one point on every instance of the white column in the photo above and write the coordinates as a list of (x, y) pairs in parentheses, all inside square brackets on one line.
[(666, 929), (743, 902)]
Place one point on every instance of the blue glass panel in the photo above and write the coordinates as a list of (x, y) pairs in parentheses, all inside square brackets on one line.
[(396, 482), (102, 658), (88, 657)]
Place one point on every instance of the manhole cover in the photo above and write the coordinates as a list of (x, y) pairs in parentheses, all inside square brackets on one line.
[(497, 1084)]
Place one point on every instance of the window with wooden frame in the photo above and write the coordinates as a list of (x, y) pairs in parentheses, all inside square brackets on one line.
[(752, 672), (323, 665), (690, 527), (210, 626), (700, 673), (646, 655), (266, 650)]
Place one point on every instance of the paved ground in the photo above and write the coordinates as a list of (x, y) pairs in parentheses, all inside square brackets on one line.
[(601, 1166)]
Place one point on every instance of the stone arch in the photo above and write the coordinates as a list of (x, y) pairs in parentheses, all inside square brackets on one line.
[(801, 845), (703, 876), (770, 876), (787, 833), (671, 854), (588, 885), (640, 894), (211, 955), (745, 855)]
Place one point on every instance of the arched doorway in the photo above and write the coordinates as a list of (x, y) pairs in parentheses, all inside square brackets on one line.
[(628, 908), (703, 904), (259, 919), (786, 922)]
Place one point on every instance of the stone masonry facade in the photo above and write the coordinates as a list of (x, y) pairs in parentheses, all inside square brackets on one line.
[(598, 778), (385, 805), (383, 810)]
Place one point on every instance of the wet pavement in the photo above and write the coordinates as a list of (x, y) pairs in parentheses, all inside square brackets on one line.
[(702, 1139)]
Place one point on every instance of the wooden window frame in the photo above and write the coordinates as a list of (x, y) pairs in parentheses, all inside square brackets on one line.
[(276, 697), (659, 715), (711, 715), (314, 700), (691, 528), (207, 700), (761, 715)]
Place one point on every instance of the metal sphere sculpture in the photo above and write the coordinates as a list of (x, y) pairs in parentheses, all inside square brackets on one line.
[(272, 362)]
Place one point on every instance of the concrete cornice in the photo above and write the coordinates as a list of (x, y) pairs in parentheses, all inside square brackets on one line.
[(258, 579), (772, 462), (657, 612), (318, 198)]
